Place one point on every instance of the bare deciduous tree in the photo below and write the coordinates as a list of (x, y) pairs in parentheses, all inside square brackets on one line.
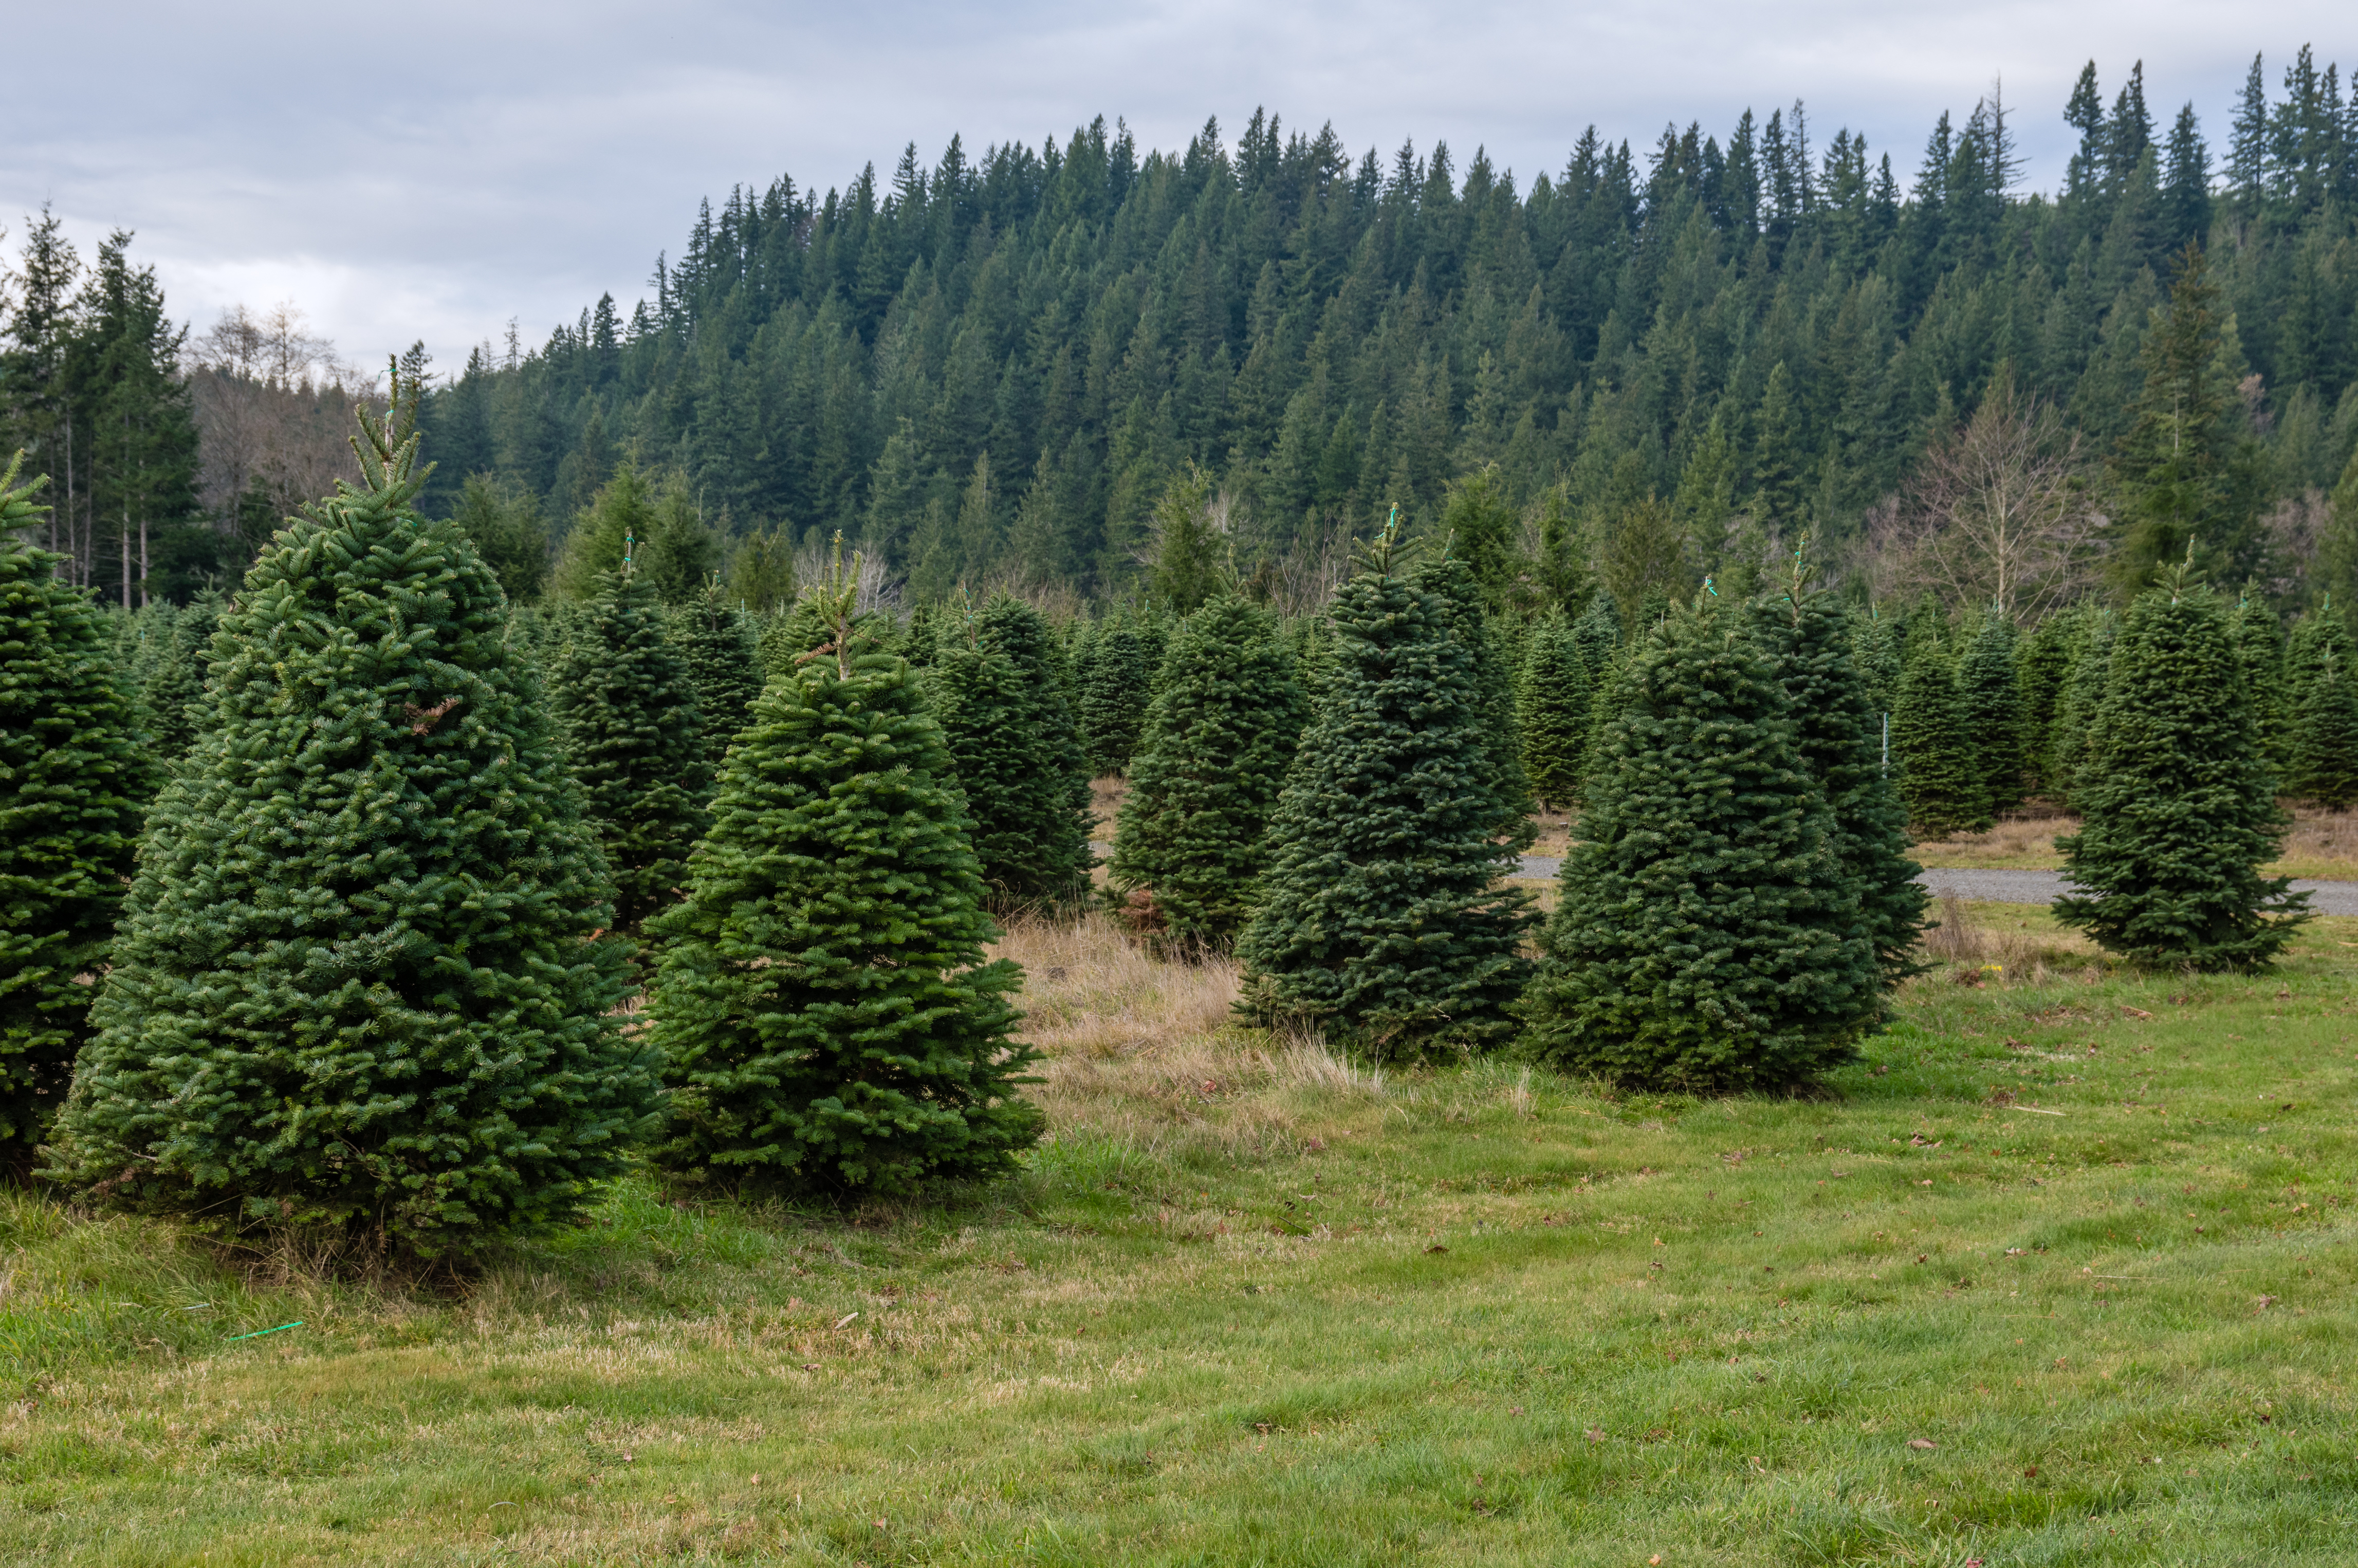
[(1997, 513), (273, 409)]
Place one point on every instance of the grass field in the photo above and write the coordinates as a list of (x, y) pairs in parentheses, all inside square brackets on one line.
[(2322, 844), (2060, 1274)]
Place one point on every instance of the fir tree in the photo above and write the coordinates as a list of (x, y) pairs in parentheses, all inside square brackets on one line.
[(824, 998), (2260, 645), (75, 776), (1874, 647), (1193, 840), (628, 709), (2321, 740), (1940, 772), (1596, 634), (1709, 938), (723, 664), (1839, 733), (2079, 717), (1013, 745), (1112, 681), (2182, 811), (1453, 581), (1383, 918), (1554, 705), (2040, 674), (358, 987), (175, 683), (1989, 688)]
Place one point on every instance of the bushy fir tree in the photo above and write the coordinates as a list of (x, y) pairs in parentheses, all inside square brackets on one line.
[(1875, 645), (824, 1000), (628, 709), (1838, 732), (174, 685), (715, 643), (1708, 937), (1193, 838), (1988, 684), (1940, 772), (358, 987), (1011, 741), (1553, 706), (1382, 919), (2041, 673), (2181, 814), (1110, 672), (75, 776), (2321, 740)]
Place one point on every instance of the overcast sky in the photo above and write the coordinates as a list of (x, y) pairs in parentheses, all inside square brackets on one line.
[(431, 169)]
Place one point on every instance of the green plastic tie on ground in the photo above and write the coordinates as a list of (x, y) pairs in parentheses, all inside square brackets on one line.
[(260, 1332)]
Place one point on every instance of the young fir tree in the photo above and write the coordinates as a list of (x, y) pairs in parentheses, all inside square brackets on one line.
[(1940, 772), (1597, 634), (1874, 647), (824, 1001), (1839, 733), (75, 777), (1112, 682), (2182, 811), (1453, 583), (2260, 644), (358, 987), (1193, 833), (1554, 705), (2041, 673), (1989, 686), (1709, 937), (628, 709), (2079, 717), (1011, 743), (2321, 740), (175, 683), (1383, 918), (723, 666)]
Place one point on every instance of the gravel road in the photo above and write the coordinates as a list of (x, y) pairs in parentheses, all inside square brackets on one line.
[(2034, 887)]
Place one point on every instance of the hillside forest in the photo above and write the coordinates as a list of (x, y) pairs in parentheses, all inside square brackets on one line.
[(1651, 365)]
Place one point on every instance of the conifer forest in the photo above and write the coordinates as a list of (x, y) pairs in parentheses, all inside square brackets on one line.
[(1027, 691)]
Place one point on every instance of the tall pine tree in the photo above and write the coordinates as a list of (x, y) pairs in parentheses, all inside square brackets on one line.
[(358, 987), (824, 1000)]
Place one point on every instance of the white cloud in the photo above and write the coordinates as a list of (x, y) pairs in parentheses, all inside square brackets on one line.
[(434, 170)]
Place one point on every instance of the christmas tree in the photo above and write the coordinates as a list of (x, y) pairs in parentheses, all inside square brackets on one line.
[(1112, 679), (1191, 845), (1708, 936), (2322, 740), (2079, 717), (75, 777), (1383, 920), (175, 683), (1940, 772), (1453, 583), (716, 643), (2275, 689), (1011, 743), (1554, 705), (359, 987), (1990, 689), (824, 999), (2041, 675), (1838, 732), (631, 724), (2181, 813), (1596, 634)]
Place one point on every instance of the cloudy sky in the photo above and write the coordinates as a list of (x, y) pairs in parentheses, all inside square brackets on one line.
[(432, 170)]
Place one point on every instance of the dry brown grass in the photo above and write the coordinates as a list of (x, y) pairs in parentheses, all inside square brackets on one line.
[(2322, 844), (2005, 943), (1104, 803), (1143, 1050)]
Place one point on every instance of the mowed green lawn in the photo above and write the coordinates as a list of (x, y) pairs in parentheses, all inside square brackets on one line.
[(1246, 1308)]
